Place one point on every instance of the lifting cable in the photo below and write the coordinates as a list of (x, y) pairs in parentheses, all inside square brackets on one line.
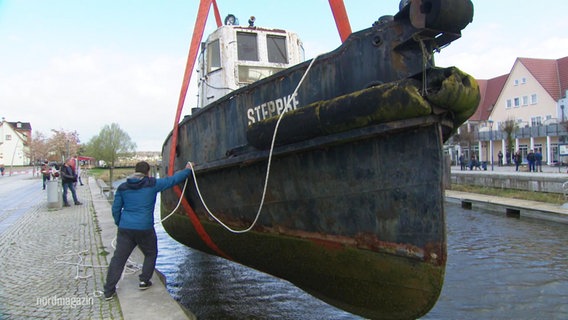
[(204, 6)]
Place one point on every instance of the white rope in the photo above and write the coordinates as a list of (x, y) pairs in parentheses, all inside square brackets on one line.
[(179, 201), (267, 169), (130, 267), (78, 265)]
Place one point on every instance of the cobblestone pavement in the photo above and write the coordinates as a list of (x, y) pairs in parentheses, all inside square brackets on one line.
[(52, 261)]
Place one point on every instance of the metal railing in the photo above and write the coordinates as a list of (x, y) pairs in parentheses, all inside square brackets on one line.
[(551, 130)]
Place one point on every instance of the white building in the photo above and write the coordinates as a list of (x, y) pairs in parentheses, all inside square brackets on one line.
[(15, 141), (534, 96)]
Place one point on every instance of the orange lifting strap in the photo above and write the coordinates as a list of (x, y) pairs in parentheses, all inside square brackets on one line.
[(204, 6), (341, 19)]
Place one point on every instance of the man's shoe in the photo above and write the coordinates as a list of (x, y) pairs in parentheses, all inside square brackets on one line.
[(66, 205), (110, 296), (78, 203), (144, 285)]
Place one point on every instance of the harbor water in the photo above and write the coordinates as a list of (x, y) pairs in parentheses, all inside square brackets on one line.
[(498, 268)]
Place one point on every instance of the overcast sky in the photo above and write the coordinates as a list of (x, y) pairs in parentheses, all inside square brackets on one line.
[(79, 65)]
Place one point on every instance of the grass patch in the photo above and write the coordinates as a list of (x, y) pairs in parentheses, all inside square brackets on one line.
[(104, 173), (554, 198)]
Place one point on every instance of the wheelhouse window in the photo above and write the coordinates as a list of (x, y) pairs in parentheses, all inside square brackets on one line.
[(213, 56), (247, 48), (276, 46), (249, 74)]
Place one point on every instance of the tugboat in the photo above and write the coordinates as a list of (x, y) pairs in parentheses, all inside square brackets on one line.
[(327, 173)]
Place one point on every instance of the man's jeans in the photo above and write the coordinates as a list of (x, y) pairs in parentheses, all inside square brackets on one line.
[(126, 241), (69, 185)]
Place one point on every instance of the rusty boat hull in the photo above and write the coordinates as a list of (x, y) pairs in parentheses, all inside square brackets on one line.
[(345, 222), (353, 212)]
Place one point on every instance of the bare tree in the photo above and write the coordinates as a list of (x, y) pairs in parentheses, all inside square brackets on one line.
[(467, 137), (110, 144), (509, 126), (64, 144), (39, 148)]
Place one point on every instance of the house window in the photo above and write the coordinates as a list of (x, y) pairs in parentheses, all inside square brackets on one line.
[(276, 46), (213, 56), (517, 102), (247, 48), (516, 82), (8, 137), (525, 100), (524, 151), (509, 103), (536, 121), (524, 80), (554, 152), (533, 98)]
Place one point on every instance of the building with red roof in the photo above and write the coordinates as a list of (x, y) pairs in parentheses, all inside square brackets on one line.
[(533, 97)]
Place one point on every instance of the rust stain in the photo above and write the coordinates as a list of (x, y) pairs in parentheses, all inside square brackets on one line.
[(432, 253)]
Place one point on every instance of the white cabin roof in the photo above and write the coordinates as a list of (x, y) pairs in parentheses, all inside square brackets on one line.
[(235, 56)]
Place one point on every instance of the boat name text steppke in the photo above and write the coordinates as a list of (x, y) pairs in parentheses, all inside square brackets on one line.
[(272, 108)]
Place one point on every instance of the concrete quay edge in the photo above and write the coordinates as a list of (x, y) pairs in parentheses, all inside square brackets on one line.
[(153, 303), (509, 206), (512, 207)]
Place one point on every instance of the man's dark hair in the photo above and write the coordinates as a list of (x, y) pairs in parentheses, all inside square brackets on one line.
[(142, 167)]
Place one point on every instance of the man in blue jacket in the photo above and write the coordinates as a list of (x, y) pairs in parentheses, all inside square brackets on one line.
[(133, 213)]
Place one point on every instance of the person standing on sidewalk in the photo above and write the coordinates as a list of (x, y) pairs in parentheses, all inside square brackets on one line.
[(531, 160), (518, 159), (68, 179), (538, 160), (133, 213), (462, 162), (46, 173), (77, 169)]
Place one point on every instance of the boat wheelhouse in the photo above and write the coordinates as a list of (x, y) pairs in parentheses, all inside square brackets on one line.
[(235, 56)]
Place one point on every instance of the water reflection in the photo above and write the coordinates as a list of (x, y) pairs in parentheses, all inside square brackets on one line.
[(503, 268), (498, 268)]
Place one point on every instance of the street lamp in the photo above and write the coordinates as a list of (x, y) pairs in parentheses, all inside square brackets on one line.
[(491, 141)]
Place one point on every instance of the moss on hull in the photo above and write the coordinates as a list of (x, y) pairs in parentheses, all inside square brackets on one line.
[(367, 283), (454, 93)]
